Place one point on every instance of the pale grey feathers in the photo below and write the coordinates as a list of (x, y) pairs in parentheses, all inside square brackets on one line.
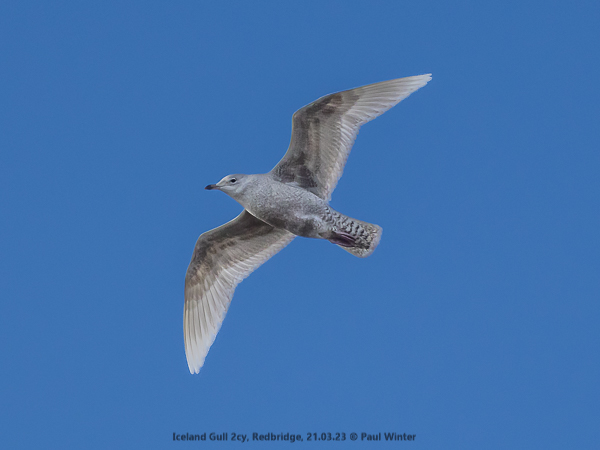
[(323, 133), (222, 258)]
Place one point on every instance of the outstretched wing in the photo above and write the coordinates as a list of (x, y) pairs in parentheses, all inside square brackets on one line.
[(222, 258), (324, 131)]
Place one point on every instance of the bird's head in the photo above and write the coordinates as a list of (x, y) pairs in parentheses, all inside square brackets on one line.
[(231, 184)]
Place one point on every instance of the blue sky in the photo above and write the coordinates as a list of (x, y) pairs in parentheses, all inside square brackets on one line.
[(473, 325)]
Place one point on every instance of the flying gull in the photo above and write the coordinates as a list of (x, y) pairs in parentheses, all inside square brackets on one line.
[(291, 200)]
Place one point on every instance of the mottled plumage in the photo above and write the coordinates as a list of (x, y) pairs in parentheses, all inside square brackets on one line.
[(291, 200)]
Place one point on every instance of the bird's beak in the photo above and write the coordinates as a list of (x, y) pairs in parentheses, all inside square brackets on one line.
[(211, 186)]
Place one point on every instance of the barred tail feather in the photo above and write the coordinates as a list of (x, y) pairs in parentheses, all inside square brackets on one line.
[(365, 236)]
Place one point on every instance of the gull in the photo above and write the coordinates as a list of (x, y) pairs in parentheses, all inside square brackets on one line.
[(291, 200)]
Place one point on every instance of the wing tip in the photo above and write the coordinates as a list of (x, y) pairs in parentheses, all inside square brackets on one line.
[(194, 370), (195, 366), (397, 89), (417, 81), (426, 78)]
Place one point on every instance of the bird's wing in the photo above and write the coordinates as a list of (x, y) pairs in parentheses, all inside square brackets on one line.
[(323, 132), (222, 258)]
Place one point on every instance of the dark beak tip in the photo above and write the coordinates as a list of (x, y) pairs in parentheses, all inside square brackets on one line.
[(210, 186)]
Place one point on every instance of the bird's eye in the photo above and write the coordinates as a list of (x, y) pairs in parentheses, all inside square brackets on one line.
[(233, 180)]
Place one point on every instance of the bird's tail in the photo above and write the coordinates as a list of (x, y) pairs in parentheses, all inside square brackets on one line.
[(355, 236)]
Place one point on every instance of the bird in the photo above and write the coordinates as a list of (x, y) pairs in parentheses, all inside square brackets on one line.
[(291, 200)]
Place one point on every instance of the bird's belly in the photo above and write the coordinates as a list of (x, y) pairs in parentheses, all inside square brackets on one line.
[(310, 227), (307, 219)]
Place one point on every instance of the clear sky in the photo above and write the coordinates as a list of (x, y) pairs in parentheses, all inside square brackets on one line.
[(473, 325)]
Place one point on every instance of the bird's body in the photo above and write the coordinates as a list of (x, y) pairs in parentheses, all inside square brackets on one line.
[(285, 206), (290, 200), (298, 211), (289, 207)]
